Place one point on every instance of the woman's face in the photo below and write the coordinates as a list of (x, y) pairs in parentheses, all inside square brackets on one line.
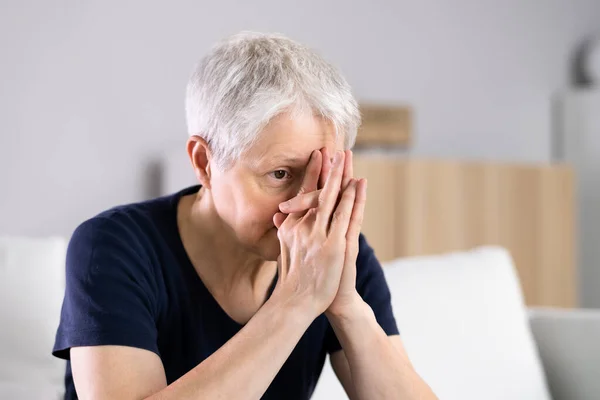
[(247, 195)]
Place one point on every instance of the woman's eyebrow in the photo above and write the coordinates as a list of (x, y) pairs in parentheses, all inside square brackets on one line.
[(289, 159)]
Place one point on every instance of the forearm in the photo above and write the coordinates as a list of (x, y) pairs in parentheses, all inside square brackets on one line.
[(379, 369), (246, 365)]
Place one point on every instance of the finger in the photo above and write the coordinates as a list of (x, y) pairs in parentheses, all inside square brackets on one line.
[(312, 172), (329, 194), (358, 211), (300, 203), (278, 219), (325, 167), (348, 172), (343, 212), (309, 184)]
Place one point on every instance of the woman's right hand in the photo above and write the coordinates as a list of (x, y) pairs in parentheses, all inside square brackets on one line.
[(313, 243)]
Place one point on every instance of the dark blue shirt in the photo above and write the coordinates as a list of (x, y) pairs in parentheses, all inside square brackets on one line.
[(129, 282)]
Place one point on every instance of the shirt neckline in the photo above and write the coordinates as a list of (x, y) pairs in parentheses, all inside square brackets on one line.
[(190, 271)]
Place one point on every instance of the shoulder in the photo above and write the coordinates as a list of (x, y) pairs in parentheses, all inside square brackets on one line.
[(366, 260), (127, 237), (132, 225), (369, 272), (113, 229)]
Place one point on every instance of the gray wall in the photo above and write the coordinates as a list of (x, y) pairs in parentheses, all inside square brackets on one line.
[(92, 91)]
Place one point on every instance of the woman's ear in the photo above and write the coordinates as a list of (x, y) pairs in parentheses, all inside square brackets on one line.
[(200, 156)]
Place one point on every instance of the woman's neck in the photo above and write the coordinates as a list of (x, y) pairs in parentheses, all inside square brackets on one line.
[(218, 257)]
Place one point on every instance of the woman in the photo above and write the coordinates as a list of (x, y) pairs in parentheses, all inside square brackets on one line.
[(239, 287)]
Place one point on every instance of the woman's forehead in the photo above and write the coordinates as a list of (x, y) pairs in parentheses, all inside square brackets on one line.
[(293, 139)]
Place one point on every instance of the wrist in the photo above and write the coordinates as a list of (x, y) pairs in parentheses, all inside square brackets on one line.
[(299, 309), (353, 307)]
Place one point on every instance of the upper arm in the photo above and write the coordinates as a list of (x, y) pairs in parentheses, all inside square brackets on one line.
[(116, 372), (108, 321)]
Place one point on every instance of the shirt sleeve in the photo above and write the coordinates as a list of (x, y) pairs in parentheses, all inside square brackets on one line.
[(110, 290), (372, 287)]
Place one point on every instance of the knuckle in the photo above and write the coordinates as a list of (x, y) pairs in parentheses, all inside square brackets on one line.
[(301, 232), (351, 236), (321, 196), (348, 195), (340, 215), (305, 202), (310, 213), (281, 234), (285, 232), (359, 219), (295, 230), (336, 243), (356, 218), (319, 237)]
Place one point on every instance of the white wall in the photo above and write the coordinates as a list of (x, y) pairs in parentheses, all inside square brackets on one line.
[(92, 91)]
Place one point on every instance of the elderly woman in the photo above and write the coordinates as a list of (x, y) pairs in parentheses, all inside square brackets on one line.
[(239, 287)]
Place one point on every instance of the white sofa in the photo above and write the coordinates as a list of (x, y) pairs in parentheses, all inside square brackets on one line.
[(469, 335), (461, 317), (31, 290)]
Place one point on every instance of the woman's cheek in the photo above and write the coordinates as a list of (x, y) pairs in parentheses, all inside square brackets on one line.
[(274, 193), (262, 204)]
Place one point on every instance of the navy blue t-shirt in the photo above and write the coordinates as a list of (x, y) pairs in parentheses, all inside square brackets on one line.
[(129, 282)]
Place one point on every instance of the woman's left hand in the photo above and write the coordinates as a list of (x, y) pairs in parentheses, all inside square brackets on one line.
[(347, 297)]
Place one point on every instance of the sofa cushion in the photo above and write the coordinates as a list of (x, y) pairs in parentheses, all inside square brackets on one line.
[(32, 287), (465, 326), (568, 343), (462, 319)]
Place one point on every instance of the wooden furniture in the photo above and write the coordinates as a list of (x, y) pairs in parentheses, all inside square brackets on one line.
[(384, 125), (418, 207)]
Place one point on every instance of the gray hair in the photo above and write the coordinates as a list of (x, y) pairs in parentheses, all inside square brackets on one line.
[(250, 78)]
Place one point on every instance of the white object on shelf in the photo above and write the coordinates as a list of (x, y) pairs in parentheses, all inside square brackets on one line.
[(579, 145)]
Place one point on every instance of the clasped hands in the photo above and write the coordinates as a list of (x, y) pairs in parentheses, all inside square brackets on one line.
[(318, 231)]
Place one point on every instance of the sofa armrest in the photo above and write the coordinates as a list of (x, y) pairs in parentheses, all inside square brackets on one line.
[(569, 346)]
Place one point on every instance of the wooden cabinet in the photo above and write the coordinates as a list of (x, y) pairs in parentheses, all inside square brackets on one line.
[(418, 207)]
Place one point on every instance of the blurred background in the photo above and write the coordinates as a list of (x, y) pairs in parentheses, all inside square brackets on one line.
[(92, 98), (93, 90)]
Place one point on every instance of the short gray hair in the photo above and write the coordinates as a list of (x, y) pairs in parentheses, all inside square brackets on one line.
[(249, 78)]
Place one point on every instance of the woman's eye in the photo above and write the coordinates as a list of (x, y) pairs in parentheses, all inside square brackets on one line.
[(280, 174)]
